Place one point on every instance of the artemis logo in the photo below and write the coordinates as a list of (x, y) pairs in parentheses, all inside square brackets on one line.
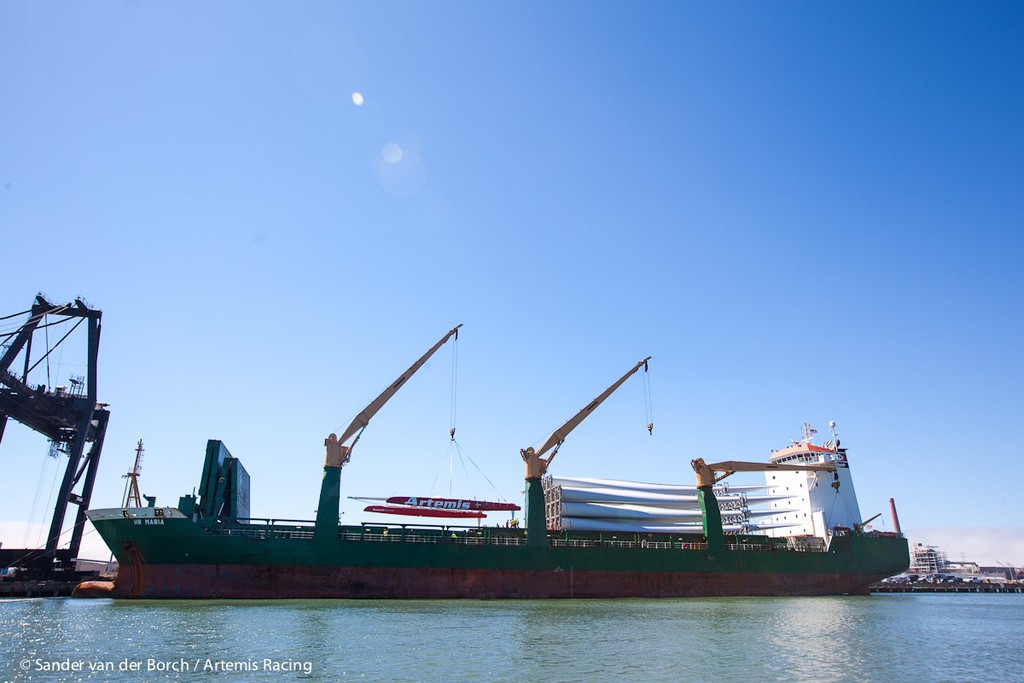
[(441, 503)]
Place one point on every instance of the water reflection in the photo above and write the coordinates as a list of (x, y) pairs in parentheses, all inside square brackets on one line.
[(878, 638)]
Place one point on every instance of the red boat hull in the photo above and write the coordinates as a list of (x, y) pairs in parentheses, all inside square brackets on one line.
[(423, 512)]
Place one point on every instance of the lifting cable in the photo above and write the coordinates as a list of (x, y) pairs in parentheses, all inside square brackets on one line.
[(837, 498), (463, 456), (35, 501), (51, 457), (46, 332), (5, 334), (55, 345), (648, 407), (455, 385), (49, 498), (41, 549), (452, 411), (19, 328), (454, 448), (430, 491), (14, 315)]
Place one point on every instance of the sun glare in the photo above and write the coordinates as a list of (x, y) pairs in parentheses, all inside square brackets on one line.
[(392, 153)]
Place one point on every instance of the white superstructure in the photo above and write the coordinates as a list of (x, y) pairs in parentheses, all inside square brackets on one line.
[(812, 503)]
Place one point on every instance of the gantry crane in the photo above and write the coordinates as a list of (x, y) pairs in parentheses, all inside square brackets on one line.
[(71, 418), (339, 450), (537, 465), (707, 478)]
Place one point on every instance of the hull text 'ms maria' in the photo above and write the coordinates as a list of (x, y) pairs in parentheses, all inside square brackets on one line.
[(675, 543)]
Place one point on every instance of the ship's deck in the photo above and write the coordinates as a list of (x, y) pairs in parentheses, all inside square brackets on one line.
[(499, 536)]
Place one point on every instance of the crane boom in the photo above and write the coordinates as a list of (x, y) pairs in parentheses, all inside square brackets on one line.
[(337, 452), (536, 466), (859, 526), (363, 418), (327, 513), (706, 473), (559, 435), (711, 515)]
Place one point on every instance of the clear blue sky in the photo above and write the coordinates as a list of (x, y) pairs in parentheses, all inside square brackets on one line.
[(803, 211)]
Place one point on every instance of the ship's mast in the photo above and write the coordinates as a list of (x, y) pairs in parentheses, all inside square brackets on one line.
[(132, 498), (809, 433)]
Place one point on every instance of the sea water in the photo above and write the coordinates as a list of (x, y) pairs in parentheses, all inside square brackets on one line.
[(950, 637)]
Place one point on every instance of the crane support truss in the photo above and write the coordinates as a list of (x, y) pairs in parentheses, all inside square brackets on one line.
[(70, 417)]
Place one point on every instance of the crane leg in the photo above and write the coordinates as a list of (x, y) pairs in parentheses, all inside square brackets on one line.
[(712, 518), (536, 520)]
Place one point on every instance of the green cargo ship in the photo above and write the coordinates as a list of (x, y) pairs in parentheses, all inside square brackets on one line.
[(210, 547)]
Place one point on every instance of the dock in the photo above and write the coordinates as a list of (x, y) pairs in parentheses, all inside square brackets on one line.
[(922, 587), (49, 588)]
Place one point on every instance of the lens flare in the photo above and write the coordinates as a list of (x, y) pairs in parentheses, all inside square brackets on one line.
[(392, 153)]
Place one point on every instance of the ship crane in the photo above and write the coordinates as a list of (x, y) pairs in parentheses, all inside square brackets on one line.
[(339, 450), (537, 465), (709, 475), (859, 527)]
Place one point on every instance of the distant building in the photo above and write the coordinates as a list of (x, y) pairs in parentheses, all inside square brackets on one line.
[(970, 568), (927, 559), (1010, 573)]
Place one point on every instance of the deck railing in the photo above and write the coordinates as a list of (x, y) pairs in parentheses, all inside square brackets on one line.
[(264, 529)]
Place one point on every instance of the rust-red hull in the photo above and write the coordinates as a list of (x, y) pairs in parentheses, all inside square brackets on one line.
[(266, 581), (170, 556)]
